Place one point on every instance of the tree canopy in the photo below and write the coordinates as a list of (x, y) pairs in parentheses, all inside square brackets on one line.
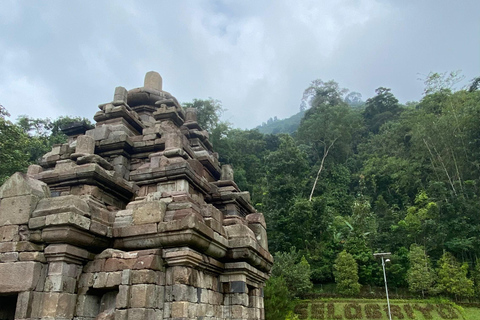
[(353, 176)]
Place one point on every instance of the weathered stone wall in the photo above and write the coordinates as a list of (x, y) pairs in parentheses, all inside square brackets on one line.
[(133, 219)]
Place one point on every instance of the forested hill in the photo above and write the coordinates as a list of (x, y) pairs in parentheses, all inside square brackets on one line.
[(350, 182), (288, 125), (291, 124)]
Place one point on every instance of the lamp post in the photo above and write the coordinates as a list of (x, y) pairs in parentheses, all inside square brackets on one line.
[(384, 256)]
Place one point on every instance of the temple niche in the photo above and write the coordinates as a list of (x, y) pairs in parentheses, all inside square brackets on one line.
[(132, 219)]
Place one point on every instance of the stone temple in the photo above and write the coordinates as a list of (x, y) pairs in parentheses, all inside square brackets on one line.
[(133, 219)]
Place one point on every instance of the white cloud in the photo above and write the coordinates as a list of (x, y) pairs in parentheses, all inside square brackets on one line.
[(20, 94), (257, 57), (25, 96)]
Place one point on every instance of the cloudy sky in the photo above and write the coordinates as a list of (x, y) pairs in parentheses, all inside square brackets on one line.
[(65, 57)]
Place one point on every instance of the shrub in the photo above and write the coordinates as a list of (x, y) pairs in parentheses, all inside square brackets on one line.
[(426, 310), (295, 271), (420, 276), (446, 311), (277, 299), (331, 312), (452, 277), (357, 311), (409, 311), (318, 311), (346, 274), (372, 311)]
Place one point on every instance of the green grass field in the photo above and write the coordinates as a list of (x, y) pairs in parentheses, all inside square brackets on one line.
[(336, 309)]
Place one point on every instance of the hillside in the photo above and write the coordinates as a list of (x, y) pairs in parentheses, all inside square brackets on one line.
[(288, 125)]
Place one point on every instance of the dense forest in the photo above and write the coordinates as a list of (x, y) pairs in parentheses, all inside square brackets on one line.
[(351, 178)]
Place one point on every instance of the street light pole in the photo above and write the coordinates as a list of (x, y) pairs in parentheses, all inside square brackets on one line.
[(383, 256)]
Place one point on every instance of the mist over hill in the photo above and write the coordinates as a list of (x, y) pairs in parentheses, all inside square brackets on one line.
[(275, 125)]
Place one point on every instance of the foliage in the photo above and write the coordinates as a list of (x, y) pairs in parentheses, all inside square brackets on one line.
[(286, 168), (397, 268), (420, 217), (346, 274), (209, 112), (380, 109), (354, 99), (441, 81), (329, 126), (44, 133), (276, 126), (361, 177), (295, 270), (377, 309), (476, 276), (452, 277), (13, 145), (327, 93), (24, 142), (277, 299), (421, 276)]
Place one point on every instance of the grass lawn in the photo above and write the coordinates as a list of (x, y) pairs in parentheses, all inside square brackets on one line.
[(337, 309)]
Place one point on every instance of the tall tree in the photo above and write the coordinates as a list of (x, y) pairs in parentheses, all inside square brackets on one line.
[(421, 276), (354, 99), (13, 147), (44, 133), (278, 300), (329, 123), (452, 277), (476, 276), (380, 109), (441, 81), (209, 112), (346, 274), (294, 268), (286, 169)]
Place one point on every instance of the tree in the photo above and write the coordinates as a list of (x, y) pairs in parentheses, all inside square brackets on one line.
[(397, 269), (3, 112), (44, 133), (452, 277), (420, 276), (441, 81), (474, 85), (476, 276), (13, 147), (346, 274), (380, 109), (278, 300), (209, 112), (295, 270), (354, 99), (320, 92), (329, 123), (286, 168), (419, 218)]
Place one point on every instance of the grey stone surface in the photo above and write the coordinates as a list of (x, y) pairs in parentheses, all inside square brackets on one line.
[(19, 276), (148, 212), (85, 144), (121, 94), (238, 287), (227, 172), (146, 182), (17, 210), (20, 184), (153, 80)]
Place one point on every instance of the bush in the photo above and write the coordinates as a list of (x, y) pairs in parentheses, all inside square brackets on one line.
[(277, 299), (346, 274), (296, 274), (452, 277)]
